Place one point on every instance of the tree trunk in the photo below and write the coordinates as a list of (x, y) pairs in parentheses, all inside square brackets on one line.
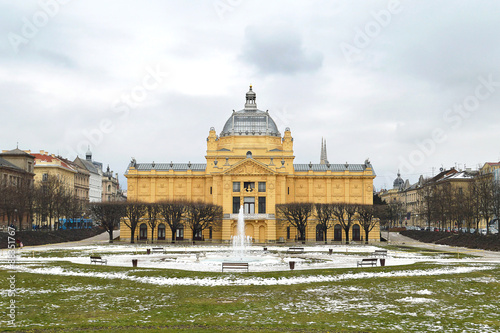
[(366, 236), (110, 232), (132, 235), (152, 235), (346, 236)]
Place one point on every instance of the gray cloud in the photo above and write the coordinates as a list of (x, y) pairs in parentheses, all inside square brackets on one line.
[(64, 82), (278, 49)]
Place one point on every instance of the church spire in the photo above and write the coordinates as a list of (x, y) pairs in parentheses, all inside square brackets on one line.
[(323, 157)]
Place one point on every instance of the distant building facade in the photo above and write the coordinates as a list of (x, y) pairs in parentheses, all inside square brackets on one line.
[(16, 173), (95, 176)]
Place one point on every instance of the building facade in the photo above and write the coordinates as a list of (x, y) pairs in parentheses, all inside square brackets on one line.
[(110, 186), (251, 164), (16, 177), (95, 176)]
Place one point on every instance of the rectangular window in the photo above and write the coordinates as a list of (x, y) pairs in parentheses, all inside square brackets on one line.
[(262, 205), (249, 186), (288, 190), (210, 189), (262, 186), (236, 205), (236, 186), (45, 177)]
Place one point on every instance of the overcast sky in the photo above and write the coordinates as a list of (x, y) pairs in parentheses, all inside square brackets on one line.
[(410, 85)]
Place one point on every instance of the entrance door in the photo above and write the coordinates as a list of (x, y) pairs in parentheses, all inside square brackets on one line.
[(180, 233), (161, 232), (143, 232)]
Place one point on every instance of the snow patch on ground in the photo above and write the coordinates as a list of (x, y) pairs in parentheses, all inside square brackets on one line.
[(241, 280), (416, 300)]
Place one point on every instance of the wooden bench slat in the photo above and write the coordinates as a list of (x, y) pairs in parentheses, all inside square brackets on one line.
[(368, 261), (96, 259), (235, 265)]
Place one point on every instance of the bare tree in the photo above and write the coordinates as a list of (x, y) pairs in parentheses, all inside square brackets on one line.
[(344, 213), (427, 206), (366, 219), (201, 215), (484, 188), (23, 201), (442, 200), (395, 211), (134, 211), (496, 204), (173, 212), (295, 214), (108, 215), (153, 214), (324, 215), (7, 201)]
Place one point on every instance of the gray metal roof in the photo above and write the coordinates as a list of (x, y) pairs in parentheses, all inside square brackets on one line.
[(169, 166), (203, 166), (88, 165), (250, 122), (333, 167)]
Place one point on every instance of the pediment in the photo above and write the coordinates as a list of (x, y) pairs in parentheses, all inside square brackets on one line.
[(249, 167)]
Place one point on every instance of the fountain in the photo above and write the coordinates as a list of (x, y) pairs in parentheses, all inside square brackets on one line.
[(240, 241)]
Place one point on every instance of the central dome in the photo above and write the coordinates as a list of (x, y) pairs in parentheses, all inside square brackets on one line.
[(250, 120)]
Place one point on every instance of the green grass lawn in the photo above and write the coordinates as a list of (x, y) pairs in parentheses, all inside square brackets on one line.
[(465, 302)]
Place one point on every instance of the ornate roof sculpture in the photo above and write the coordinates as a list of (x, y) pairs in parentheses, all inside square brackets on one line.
[(250, 120)]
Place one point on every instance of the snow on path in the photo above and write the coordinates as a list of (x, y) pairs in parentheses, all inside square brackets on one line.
[(241, 280)]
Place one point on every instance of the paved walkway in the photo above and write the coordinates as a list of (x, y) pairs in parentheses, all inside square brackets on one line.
[(100, 239)]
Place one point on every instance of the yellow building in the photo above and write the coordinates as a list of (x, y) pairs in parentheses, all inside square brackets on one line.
[(48, 165), (251, 164)]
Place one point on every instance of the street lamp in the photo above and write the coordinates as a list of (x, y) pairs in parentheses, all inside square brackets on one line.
[(15, 215)]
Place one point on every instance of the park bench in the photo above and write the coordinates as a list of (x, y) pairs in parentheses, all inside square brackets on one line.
[(368, 261), (295, 250), (98, 259), (381, 253), (157, 249), (235, 266)]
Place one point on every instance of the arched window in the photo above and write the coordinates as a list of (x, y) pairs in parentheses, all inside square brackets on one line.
[(337, 233), (161, 232), (143, 232), (356, 232), (319, 233)]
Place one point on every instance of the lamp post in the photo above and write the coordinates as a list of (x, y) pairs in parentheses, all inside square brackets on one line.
[(15, 215)]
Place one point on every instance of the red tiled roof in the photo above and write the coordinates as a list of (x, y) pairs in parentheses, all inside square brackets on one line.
[(50, 158)]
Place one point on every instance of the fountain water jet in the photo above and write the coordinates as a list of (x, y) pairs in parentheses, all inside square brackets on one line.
[(240, 241)]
